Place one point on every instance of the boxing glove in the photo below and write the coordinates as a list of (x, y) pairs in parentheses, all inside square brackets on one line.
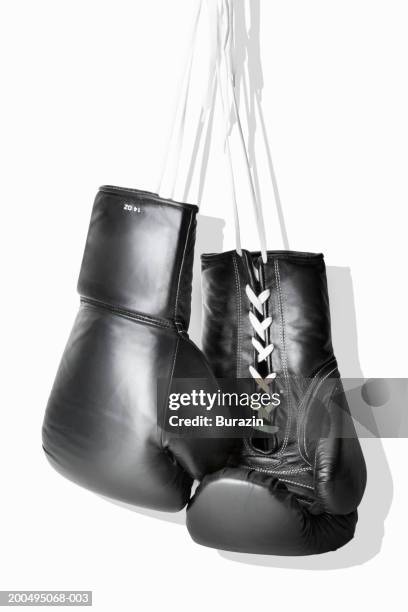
[(103, 427), (293, 490)]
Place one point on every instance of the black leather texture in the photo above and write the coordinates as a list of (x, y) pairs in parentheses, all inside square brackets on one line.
[(294, 492), (100, 428)]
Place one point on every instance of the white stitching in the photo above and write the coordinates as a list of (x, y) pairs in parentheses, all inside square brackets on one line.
[(303, 405), (288, 472), (329, 403), (238, 287), (298, 484), (284, 359), (315, 393)]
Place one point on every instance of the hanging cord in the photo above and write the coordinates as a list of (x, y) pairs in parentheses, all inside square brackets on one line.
[(205, 119), (220, 46), (221, 12), (221, 17), (181, 103), (228, 10), (208, 107), (258, 319)]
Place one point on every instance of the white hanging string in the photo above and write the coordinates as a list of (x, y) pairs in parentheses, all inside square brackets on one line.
[(179, 121), (227, 13), (221, 23), (182, 101), (206, 120), (216, 11), (220, 44), (208, 107), (259, 321)]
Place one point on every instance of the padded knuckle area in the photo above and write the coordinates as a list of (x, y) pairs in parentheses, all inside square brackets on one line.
[(100, 429), (250, 512)]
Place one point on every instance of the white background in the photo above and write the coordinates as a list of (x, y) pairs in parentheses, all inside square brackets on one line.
[(87, 93)]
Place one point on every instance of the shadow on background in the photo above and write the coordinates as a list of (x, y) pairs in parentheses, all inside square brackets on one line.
[(177, 518), (378, 496), (377, 500), (249, 82), (210, 235)]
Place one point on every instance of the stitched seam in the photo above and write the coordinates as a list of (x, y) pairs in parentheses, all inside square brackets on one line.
[(298, 484), (316, 454), (316, 391), (182, 265), (284, 358), (310, 392), (289, 472), (329, 403), (283, 472), (315, 464), (133, 316), (302, 405), (239, 314), (168, 390), (272, 255), (268, 312)]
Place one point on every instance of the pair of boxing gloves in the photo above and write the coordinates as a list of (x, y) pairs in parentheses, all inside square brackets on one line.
[(294, 492)]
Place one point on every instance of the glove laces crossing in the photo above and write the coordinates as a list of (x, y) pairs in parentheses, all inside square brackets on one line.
[(260, 327)]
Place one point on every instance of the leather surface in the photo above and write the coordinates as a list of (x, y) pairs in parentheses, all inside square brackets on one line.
[(295, 492), (101, 426), (140, 259), (247, 511)]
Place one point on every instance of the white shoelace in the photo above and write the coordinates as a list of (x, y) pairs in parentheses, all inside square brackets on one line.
[(260, 327)]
